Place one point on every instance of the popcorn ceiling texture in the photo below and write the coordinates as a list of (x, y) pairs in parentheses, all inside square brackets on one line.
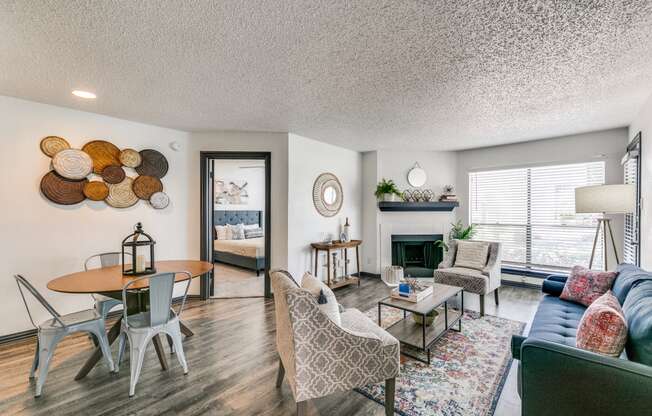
[(439, 75)]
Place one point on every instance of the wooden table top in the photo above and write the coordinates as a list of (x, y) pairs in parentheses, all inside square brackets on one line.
[(110, 279), (336, 244), (440, 294)]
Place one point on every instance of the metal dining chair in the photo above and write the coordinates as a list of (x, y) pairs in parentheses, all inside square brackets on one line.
[(103, 304), (140, 328), (54, 330)]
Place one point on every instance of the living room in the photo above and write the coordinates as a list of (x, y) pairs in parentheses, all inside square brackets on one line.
[(454, 213)]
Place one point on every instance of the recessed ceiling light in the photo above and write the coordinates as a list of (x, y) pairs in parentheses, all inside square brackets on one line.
[(84, 94)]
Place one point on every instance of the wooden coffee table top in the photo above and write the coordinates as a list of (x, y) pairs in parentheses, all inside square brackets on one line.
[(440, 294), (110, 279)]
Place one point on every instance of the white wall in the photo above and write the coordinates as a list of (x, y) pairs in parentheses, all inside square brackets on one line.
[(607, 145), (307, 159), (42, 240), (277, 144), (440, 168), (250, 171), (643, 123)]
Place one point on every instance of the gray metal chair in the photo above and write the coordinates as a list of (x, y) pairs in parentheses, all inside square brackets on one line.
[(54, 330), (140, 328), (103, 304)]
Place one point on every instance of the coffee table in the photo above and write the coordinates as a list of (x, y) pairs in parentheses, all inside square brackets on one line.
[(422, 337)]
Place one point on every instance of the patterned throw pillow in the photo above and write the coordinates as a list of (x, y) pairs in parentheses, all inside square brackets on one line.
[(471, 254), (253, 233), (223, 232), (603, 328), (237, 231), (326, 298), (584, 285)]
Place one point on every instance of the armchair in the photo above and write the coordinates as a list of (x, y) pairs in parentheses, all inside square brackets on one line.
[(481, 282), (319, 357)]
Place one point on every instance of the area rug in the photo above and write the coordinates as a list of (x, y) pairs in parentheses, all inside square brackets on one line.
[(466, 374)]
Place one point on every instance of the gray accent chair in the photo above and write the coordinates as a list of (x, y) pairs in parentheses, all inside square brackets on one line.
[(481, 282), (54, 330), (140, 328), (318, 357), (103, 304)]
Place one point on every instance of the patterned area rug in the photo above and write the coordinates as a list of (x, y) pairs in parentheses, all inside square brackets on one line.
[(466, 374)]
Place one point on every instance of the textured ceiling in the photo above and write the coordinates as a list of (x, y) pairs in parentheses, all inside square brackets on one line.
[(361, 74)]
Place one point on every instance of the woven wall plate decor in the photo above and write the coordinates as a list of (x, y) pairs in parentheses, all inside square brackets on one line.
[(51, 145), (103, 154), (130, 158), (144, 186), (113, 174), (159, 200), (327, 194), (96, 190), (72, 164), (62, 191), (121, 195), (153, 163)]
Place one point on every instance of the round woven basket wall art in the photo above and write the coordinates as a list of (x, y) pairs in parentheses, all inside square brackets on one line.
[(113, 174), (121, 195), (159, 200), (327, 194), (51, 145), (62, 191), (103, 154), (130, 158), (144, 186), (96, 191), (153, 163), (72, 164)]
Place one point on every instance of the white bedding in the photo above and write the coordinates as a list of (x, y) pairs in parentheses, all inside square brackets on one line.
[(251, 247)]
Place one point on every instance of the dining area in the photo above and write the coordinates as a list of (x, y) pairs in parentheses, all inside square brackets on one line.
[(136, 303)]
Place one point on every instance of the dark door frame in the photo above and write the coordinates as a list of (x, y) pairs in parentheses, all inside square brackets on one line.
[(207, 281)]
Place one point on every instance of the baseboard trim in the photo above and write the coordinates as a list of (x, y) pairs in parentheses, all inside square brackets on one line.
[(367, 274), (31, 333)]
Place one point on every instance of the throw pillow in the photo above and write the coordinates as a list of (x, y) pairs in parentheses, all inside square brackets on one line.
[(603, 328), (253, 233), (584, 285), (237, 231), (251, 226), (471, 254), (324, 295), (223, 232)]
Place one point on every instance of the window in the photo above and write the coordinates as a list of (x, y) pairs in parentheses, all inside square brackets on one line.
[(632, 174), (532, 212)]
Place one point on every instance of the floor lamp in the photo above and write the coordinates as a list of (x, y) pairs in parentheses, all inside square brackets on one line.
[(605, 199)]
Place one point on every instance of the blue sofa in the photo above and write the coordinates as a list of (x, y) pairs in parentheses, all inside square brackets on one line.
[(556, 378)]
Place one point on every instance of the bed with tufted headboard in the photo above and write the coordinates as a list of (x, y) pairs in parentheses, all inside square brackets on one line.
[(248, 253)]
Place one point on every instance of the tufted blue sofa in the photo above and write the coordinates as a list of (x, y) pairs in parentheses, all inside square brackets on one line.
[(556, 378)]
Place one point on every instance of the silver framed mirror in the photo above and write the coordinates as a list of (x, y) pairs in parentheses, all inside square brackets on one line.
[(327, 194), (417, 176)]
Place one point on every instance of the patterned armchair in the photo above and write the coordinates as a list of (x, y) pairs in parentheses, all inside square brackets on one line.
[(318, 357), (481, 282)]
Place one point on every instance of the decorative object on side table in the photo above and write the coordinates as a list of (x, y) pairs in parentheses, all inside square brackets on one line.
[(346, 231), (386, 190), (136, 245)]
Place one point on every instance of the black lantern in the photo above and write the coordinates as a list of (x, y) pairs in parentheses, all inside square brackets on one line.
[(135, 245)]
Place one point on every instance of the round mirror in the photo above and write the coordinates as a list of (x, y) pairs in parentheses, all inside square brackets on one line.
[(417, 176), (327, 194)]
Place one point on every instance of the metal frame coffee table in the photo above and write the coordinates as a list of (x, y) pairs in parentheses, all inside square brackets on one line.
[(420, 336)]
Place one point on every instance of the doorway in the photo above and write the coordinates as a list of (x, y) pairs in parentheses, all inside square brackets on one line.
[(236, 223)]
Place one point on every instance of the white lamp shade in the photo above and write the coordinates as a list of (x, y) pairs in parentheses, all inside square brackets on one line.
[(606, 199)]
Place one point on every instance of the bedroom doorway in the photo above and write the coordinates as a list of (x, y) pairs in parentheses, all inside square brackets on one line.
[(236, 223)]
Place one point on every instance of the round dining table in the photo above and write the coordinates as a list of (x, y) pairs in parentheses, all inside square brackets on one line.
[(109, 281)]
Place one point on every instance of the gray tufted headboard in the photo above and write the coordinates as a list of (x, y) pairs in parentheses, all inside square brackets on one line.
[(238, 217)]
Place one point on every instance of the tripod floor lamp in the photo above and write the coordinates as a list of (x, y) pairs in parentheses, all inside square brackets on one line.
[(605, 199)]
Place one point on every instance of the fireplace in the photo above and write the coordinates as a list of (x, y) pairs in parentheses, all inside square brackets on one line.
[(416, 253)]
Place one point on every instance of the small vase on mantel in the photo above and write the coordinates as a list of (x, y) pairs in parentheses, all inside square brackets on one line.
[(390, 198)]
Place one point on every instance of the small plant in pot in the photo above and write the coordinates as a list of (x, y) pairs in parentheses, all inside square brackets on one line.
[(386, 190), (458, 232)]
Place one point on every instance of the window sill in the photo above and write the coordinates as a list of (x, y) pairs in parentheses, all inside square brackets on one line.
[(541, 274)]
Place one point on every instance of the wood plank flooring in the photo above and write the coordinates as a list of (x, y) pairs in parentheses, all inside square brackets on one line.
[(232, 361), (237, 282)]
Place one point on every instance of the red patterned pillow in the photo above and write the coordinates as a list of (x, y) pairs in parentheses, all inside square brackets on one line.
[(603, 328), (584, 285)]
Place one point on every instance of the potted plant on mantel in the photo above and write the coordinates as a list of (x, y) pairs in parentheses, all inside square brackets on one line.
[(386, 190)]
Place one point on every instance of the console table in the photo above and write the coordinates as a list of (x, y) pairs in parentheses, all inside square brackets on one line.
[(338, 245)]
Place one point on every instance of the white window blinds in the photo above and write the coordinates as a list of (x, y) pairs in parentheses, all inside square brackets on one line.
[(632, 168), (532, 212)]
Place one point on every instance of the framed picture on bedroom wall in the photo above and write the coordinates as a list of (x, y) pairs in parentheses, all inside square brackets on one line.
[(230, 192)]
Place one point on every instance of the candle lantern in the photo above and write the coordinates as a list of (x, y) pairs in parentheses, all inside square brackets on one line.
[(140, 246)]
